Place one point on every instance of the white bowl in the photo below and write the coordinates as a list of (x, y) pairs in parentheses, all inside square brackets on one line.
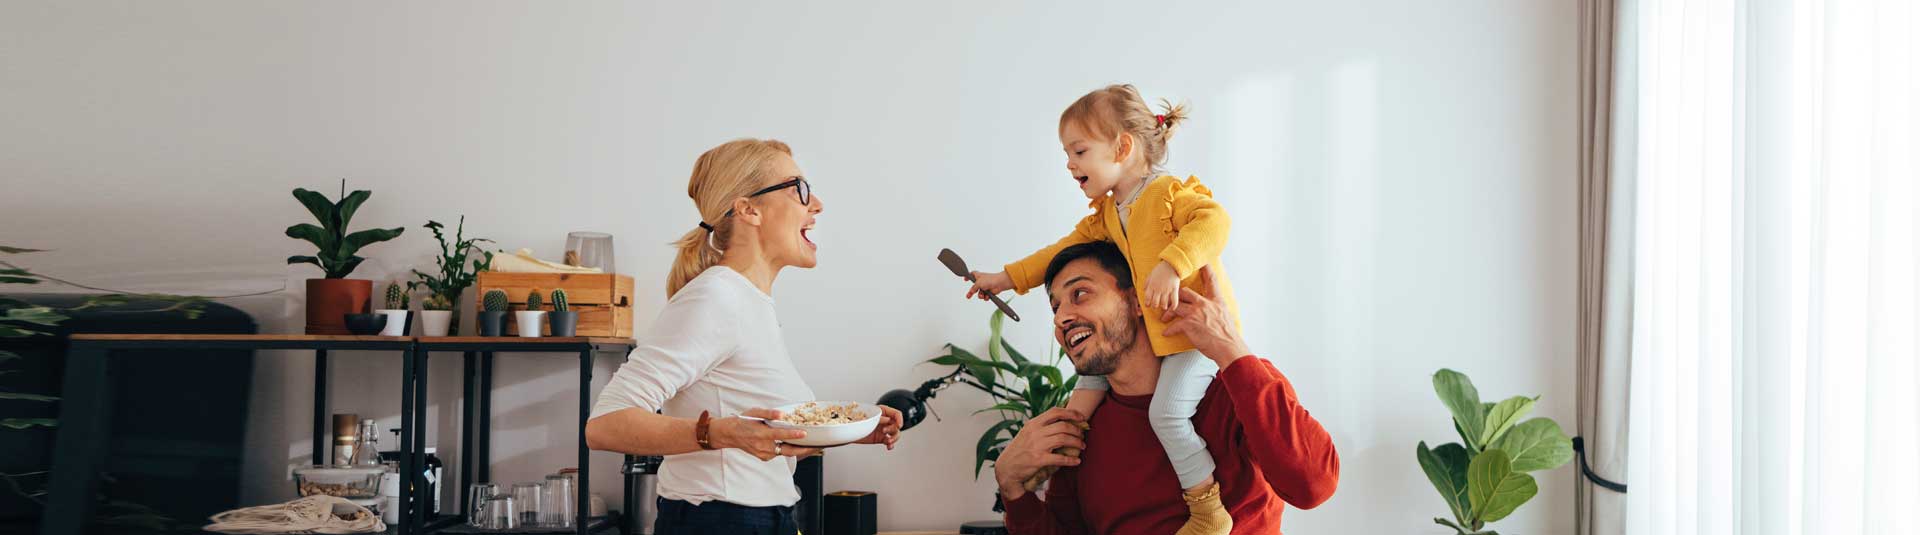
[(819, 436)]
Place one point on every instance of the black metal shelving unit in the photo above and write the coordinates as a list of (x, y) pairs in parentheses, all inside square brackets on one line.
[(86, 411)]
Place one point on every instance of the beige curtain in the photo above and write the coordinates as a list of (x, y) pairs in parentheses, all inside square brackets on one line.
[(1606, 269)]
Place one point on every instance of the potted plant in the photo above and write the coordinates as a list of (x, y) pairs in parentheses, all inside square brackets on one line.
[(455, 275), (561, 322), (436, 316), (1485, 479), (493, 317), (395, 309), (329, 300), (1020, 390), (529, 320)]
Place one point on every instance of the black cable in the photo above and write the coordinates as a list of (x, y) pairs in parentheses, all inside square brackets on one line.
[(1580, 450)]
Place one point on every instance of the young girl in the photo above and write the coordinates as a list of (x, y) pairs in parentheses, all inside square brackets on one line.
[(1168, 229)]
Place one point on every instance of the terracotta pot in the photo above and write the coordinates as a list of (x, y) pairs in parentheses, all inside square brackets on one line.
[(330, 300)]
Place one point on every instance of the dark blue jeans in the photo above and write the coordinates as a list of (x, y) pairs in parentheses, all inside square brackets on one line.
[(721, 518)]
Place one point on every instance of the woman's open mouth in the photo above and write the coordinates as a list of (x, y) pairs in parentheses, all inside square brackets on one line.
[(804, 238)]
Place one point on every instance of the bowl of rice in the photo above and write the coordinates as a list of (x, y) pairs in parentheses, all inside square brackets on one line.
[(828, 423)]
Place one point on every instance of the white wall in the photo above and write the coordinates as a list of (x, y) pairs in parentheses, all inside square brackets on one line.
[(1400, 174)]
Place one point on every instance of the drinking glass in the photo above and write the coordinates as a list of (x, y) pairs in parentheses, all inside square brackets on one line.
[(595, 249), (560, 502), (526, 498), (501, 513), (477, 497)]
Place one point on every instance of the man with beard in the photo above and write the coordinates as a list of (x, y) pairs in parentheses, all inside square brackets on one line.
[(1267, 450)]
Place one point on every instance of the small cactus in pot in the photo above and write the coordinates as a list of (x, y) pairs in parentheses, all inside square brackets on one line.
[(396, 297), (436, 315), (562, 322), (530, 321), (395, 310), (493, 313)]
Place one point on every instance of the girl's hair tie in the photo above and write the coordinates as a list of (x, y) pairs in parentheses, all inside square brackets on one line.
[(1159, 120), (704, 225)]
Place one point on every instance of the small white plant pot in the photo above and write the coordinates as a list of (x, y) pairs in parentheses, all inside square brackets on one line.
[(529, 322), (435, 322), (396, 322)]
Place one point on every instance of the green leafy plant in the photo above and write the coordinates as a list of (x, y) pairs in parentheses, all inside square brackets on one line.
[(455, 275), (559, 300), (396, 296), (337, 247), (1484, 476), (494, 301), (1021, 389)]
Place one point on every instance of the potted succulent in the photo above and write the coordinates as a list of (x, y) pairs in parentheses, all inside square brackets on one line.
[(395, 309), (493, 317), (561, 322), (1486, 479), (529, 320), (436, 316), (330, 299), (455, 274)]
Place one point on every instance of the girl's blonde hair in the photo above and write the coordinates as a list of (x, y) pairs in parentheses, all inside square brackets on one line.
[(1118, 109), (724, 173)]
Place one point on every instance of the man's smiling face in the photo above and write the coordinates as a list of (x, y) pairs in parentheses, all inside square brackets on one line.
[(1093, 318)]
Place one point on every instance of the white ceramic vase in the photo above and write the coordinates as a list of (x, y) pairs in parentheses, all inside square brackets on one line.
[(529, 322), (396, 322), (435, 322)]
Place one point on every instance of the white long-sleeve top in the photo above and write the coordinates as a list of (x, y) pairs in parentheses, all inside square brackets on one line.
[(716, 347)]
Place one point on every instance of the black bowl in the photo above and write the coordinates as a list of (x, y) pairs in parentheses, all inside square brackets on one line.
[(365, 324)]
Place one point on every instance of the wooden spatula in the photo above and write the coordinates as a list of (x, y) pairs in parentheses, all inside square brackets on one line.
[(959, 267)]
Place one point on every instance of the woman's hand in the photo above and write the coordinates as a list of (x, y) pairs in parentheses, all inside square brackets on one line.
[(985, 284), (1163, 288), (1032, 449), (888, 432), (755, 437)]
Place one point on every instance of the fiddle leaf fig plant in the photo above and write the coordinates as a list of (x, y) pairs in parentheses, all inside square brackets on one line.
[(1483, 478), (337, 247)]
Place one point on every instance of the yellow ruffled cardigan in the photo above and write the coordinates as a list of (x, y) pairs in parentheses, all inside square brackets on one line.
[(1178, 222)]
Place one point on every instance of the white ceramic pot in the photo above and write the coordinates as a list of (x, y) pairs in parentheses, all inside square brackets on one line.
[(435, 322), (396, 322), (529, 322)]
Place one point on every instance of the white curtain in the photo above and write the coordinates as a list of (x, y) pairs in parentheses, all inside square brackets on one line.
[(1773, 379)]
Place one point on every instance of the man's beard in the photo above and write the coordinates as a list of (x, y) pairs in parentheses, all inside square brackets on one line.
[(1117, 336)]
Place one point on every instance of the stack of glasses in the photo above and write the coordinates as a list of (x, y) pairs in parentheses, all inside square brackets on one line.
[(528, 505)]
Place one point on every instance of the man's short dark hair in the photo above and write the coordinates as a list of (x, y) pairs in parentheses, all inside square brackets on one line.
[(1104, 252)]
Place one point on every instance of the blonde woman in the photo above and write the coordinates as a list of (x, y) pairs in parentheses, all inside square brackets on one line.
[(716, 353)]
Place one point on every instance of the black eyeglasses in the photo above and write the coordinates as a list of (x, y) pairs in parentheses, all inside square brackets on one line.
[(800, 183)]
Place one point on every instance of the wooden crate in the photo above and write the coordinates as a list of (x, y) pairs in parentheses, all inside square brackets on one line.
[(604, 301)]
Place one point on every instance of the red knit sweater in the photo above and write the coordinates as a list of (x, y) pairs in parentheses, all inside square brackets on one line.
[(1266, 449)]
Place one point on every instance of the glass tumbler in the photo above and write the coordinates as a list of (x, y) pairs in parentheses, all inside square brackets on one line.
[(560, 504), (501, 513), (526, 499), (593, 249), (478, 495)]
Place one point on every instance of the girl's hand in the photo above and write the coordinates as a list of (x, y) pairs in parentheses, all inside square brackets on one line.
[(986, 284), (1163, 288)]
